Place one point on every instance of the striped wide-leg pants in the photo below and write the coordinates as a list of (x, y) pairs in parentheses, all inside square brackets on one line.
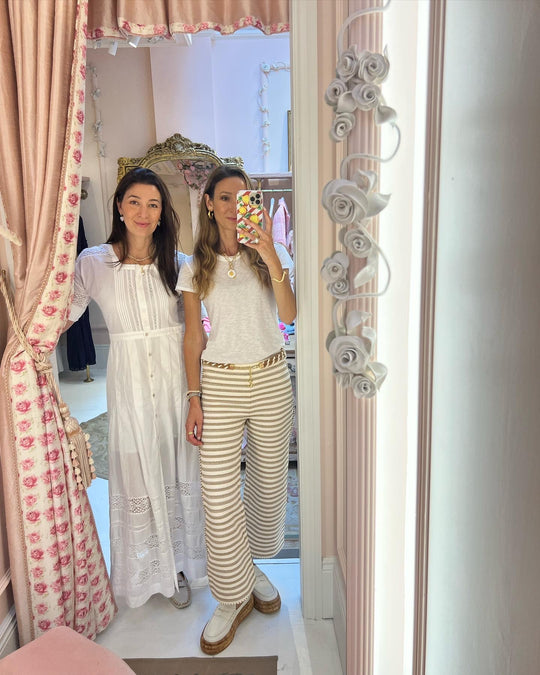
[(239, 530)]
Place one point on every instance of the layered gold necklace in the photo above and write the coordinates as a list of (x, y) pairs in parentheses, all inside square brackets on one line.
[(139, 260), (231, 259)]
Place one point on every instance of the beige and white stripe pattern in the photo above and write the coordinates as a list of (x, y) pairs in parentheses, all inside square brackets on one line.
[(239, 530)]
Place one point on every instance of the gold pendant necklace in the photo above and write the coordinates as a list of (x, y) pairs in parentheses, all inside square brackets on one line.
[(138, 259), (231, 260)]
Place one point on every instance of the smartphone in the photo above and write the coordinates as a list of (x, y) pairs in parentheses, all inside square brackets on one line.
[(249, 205)]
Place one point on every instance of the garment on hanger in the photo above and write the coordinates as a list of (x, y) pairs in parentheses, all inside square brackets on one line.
[(281, 223), (80, 344)]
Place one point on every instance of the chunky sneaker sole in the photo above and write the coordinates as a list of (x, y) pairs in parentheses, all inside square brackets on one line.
[(265, 595), (212, 648), (267, 606)]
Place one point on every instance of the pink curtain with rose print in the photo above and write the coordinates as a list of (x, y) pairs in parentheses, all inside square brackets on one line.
[(57, 568), (119, 18)]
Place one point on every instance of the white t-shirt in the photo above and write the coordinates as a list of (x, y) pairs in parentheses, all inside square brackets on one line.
[(242, 313)]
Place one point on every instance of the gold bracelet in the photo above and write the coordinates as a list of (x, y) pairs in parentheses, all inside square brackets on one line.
[(280, 281)]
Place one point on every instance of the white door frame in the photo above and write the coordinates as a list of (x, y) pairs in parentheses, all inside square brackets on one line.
[(305, 100)]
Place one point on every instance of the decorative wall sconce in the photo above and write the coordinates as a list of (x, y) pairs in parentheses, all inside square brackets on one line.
[(351, 201), (266, 69)]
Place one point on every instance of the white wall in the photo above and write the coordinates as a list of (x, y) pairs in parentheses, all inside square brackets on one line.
[(209, 93), (484, 592), (405, 34)]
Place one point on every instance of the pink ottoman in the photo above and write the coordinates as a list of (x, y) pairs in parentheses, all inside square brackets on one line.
[(62, 651)]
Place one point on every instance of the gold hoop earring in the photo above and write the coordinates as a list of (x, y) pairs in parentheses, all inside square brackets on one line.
[(210, 214)]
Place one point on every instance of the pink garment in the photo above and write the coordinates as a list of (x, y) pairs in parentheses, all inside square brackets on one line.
[(281, 223)]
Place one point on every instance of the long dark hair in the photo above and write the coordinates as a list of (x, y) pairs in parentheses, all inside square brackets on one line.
[(207, 245), (164, 238)]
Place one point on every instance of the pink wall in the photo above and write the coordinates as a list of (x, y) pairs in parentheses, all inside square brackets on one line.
[(208, 92)]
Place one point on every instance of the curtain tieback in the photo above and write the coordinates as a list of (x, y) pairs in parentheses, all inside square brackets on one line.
[(78, 441)]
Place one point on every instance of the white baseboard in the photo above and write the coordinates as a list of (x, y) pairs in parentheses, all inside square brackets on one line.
[(340, 613), (9, 638), (328, 587), (335, 604)]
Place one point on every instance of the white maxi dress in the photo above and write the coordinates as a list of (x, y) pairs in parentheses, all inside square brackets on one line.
[(156, 513)]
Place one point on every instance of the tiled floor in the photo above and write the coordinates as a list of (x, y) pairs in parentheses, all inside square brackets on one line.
[(304, 647)]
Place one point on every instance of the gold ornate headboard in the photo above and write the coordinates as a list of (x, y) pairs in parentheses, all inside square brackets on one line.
[(184, 166)]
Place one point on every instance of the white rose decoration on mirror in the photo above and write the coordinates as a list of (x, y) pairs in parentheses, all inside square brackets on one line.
[(366, 95), (342, 125), (347, 65), (351, 201), (358, 241), (334, 272), (334, 90), (345, 202), (363, 386), (349, 353), (368, 383), (339, 288), (373, 67)]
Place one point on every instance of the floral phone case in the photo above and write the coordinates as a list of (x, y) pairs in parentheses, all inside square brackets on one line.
[(249, 204)]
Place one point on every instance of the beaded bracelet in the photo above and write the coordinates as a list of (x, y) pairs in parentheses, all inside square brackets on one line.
[(192, 393)]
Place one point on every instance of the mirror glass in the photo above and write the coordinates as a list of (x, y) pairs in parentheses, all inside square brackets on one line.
[(207, 115)]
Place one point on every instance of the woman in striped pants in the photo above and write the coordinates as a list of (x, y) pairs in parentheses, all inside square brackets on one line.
[(244, 384)]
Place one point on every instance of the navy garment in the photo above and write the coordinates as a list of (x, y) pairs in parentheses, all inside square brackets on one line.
[(80, 344)]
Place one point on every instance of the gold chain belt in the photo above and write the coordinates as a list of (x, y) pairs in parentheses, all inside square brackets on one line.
[(270, 361)]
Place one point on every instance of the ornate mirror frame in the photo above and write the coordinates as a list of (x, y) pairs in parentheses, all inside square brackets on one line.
[(175, 148), (184, 166)]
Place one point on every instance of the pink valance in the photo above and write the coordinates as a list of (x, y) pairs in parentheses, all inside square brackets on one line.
[(118, 19)]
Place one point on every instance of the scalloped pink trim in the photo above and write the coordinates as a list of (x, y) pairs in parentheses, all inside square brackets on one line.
[(150, 30)]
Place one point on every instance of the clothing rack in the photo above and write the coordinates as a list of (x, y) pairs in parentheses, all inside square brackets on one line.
[(275, 186), (276, 190)]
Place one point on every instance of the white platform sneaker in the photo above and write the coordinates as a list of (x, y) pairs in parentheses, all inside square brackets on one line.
[(219, 631), (265, 595)]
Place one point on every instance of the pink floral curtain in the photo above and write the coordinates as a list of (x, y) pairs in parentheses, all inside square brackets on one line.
[(57, 567), (119, 18)]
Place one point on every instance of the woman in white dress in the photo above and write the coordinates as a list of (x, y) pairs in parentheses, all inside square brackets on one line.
[(156, 513)]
